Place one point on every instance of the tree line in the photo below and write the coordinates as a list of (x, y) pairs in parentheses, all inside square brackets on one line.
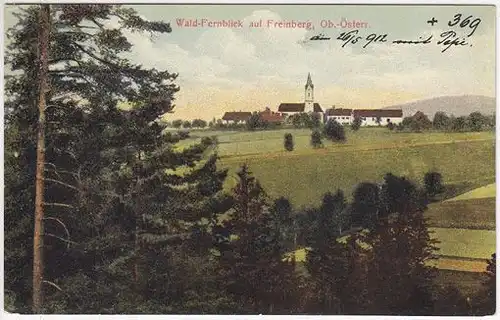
[(419, 122), (114, 218)]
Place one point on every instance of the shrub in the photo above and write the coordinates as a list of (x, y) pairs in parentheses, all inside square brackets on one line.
[(288, 142), (334, 131), (356, 123), (316, 139)]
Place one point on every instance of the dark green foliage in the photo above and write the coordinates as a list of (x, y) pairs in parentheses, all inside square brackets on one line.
[(356, 123), (441, 121), (391, 126), (186, 124), (306, 120), (399, 281), (199, 123), (459, 124), (433, 182), (335, 267), (334, 131), (288, 142), (115, 215), (449, 301), (316, 139), (315, 120), (476, 121), (485, 302), (417, 123), (177, 123), (281, 212), (366, 206), (252, 265), (255, 122)]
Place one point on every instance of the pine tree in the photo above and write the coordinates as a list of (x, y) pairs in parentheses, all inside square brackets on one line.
[(399, 278), (117, 210), (251, 256), (335, 266)]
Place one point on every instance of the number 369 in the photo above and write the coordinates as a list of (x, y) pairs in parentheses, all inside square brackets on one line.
[(473, 24)]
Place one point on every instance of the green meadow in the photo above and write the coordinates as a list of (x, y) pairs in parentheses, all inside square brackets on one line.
[(466, 160), (464, 225), (488, 191), (465, 214)]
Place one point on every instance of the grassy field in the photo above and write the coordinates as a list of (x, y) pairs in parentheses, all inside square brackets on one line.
[(240, 143), (305, 174), (488, 191), (465, 243), (466, 161), (469, 214), (304, 178)]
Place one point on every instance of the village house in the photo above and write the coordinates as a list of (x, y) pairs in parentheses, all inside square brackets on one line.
[(375, 117), (342, 116), (236, 117), (369, 117), (271, 117)]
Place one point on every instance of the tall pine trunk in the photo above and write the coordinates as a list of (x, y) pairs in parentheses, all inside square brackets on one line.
[(38, 263)]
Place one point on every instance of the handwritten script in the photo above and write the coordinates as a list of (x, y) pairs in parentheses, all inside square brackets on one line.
[(459, 35)]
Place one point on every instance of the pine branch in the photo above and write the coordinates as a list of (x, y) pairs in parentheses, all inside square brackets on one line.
[(62, 183), (52, 284), (61, 223), (60, 238), (56, 204)]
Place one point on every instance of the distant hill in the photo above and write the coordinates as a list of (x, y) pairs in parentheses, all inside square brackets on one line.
[(456, 105)]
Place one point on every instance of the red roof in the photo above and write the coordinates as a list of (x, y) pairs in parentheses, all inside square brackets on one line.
[(388, 113), (236, 116), (270, 116), (339, 112), (297, 107)]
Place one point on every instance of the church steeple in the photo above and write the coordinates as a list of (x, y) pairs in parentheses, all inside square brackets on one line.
[(309, 82), (309, 95)]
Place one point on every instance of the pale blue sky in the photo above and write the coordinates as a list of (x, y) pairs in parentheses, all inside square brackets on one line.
[(249, 69)]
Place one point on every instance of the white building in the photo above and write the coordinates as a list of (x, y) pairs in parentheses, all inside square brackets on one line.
[(376, 117), (369, 117), (342, 116)]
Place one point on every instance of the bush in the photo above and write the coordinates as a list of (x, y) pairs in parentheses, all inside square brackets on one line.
[(334, 131), (356, 123), (186, 124), (288, 142), (316, 139), (441, 121), (391, 126), (433, 183), (476, 121), (177, 123)]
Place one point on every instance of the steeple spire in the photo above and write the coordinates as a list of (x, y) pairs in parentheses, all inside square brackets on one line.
[(309, 81)]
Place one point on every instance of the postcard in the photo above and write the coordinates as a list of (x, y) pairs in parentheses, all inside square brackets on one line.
[(253, 159)]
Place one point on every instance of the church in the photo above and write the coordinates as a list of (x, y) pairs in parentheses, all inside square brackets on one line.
[(308, 106)]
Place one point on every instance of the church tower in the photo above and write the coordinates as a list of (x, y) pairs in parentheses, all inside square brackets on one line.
[(309, 95)]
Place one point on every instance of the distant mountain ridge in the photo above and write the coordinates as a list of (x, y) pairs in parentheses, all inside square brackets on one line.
[(452, 105)]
